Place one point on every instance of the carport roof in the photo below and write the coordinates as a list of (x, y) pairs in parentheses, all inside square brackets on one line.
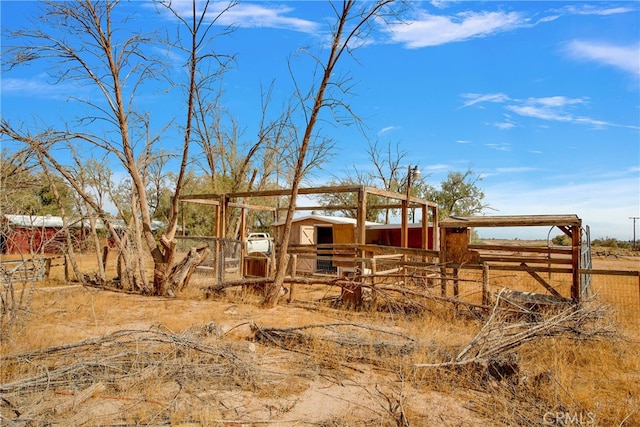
[(511, 221)]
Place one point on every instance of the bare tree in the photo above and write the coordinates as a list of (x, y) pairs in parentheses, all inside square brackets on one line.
[(351, 27), (91, 49), (387, 170)]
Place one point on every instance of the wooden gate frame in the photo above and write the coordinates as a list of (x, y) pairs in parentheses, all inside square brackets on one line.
[(456, 252)]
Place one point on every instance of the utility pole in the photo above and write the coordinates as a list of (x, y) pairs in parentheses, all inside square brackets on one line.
[(412, 173), (634, 218)]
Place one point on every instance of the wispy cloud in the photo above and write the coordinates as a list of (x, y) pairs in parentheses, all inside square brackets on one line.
[(478, 98), (507, 123), (387, 130), (516, 169), (550, 108), (546, 108), (251, 15), (433, 30), (625, 58), (603, 204), (437, 167), (39, 87), (591, 9), (499, 147)]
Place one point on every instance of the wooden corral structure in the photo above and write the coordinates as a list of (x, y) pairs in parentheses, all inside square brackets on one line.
[(353, 234), (346, 247), (456, 251)]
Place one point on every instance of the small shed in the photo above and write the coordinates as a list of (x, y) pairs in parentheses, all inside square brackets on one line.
[(391, 235), (32, 233), (312, 230)]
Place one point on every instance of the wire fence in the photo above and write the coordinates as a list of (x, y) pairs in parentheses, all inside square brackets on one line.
[(224, 261)]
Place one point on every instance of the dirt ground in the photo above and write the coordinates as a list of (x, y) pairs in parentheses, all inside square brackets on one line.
[(84, 356)]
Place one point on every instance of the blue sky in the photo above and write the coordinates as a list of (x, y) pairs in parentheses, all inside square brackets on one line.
[(541, 98)]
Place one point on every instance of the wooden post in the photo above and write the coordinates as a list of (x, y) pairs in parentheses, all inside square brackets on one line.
[(456, 291), (66, 268), (486, 298), (443, 262), (47, 268), (425, 229), (436, 231), (576, 246)]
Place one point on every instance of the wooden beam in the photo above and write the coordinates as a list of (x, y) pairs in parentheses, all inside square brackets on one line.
[(513, 248), (519, 259), (542, 281), (361, 220), (512, 221)]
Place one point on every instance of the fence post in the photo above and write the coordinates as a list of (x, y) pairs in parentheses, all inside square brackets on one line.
[(66, 268), (47, 268), (485, 283)]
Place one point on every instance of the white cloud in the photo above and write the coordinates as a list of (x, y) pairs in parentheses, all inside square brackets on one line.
[(39, 87), (433, 30), (250, 15), (516, 169), (477, 98), (504, 125), (387, 129), (589, 9), (550, 108), (499, 147), (625, 58), (437, 167), (604, 205)]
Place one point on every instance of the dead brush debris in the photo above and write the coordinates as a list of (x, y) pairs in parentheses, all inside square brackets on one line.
[(500, 335), (125, 366), (348, 342), (489, 363)]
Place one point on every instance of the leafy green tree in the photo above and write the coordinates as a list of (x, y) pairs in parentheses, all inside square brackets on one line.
[(460, 195)]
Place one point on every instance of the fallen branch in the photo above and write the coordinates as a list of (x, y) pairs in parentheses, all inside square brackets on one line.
[(499, 336)]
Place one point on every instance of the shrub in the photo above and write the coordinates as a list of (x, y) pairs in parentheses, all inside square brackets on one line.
[(561, 240)]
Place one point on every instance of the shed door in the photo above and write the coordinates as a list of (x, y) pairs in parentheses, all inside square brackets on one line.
[(343, 233), (307, 235)]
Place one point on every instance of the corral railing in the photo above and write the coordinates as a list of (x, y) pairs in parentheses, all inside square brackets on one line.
[(25, 270), (340, 259), (224, 261)]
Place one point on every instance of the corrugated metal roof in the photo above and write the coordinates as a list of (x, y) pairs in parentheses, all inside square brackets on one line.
[(51, 221), (33, 221), (326, 218)]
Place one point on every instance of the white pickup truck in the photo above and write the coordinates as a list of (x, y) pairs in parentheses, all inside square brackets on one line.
[(259, 242)]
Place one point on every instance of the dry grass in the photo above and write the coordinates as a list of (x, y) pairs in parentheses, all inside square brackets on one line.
[(189, 360)]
